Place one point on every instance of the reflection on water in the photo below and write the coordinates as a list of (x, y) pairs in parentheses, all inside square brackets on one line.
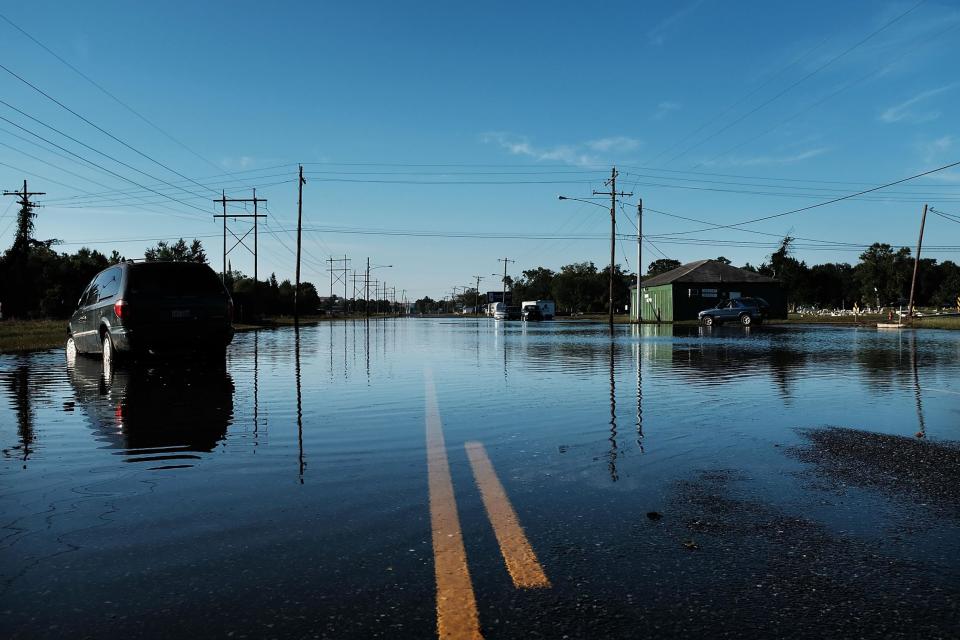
[(162, 415), (18, 388), (303, 464), (613, 414), (341, 405)]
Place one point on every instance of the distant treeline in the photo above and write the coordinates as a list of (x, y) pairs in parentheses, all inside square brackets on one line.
[(883, 275), (38, 282)]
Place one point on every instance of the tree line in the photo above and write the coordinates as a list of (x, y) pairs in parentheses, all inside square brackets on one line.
[(881, 277), (36, 281)]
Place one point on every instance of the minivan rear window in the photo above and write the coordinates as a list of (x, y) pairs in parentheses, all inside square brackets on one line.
[(173, 279)]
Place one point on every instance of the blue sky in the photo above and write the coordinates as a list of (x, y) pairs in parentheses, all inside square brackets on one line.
[(718, 111)]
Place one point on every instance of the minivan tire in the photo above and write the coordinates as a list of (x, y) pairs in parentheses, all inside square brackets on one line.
[(746, 320), (109, 353)]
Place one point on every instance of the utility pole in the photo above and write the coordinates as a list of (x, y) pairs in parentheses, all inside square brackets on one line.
[(916, 263), (476, 308), (240, 239), (24, 200), (366, 295), (296, 291), (505, 261), (639, 251), (612, 183)]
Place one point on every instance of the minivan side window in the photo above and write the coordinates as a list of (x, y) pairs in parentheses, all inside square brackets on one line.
[(91, 295), (108, 284)]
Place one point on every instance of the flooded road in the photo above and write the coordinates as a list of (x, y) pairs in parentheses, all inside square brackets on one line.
[(402, 477)]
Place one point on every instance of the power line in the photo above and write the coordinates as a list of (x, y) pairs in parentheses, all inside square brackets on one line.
[(825, 203), (800, 81), (779, 73), (101, 129), (923, 40), (105, 92), (133, 182)]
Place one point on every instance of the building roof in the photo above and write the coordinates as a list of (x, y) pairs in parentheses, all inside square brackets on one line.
[(706, 272)]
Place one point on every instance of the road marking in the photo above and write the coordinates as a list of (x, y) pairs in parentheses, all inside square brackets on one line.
[(517, 553), (456, 605)]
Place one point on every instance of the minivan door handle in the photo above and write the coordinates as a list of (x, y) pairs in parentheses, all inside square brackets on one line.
[(82, 318)]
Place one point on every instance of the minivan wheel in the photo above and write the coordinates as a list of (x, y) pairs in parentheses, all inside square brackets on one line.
[(745, 319), (108, 354), (708, 320)]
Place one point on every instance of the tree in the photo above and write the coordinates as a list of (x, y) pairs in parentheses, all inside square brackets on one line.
[(24, 236), (791, 272), (662, 266), (578, 288), (177, 252), (535, 284), (425, 304), (884, 273), (723, 260)]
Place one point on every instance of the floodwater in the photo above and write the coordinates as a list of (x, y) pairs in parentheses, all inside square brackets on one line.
[(290, 493)]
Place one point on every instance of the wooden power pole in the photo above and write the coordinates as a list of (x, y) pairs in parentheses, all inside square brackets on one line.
[(296, 290), (476, 308), (24, 200), (916, 264), (639, 254), (613, 193)]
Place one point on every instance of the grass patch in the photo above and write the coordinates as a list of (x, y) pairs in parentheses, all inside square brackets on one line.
[(934, 322), (31, 335)]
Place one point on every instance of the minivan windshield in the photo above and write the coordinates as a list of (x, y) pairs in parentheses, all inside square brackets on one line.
[(173, 279)]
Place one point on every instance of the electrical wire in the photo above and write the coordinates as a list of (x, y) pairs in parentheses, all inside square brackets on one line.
[(101, 129), (806, 77), (923, 40), (114, 173), (105, 92), (736, 104), (823, 204)]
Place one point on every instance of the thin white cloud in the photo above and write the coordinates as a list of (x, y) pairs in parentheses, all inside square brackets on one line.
[(766, 161), (665, 108), (615, 143), (657, 35), (586, 154), (237, 163), (905, 111), (934, 150)]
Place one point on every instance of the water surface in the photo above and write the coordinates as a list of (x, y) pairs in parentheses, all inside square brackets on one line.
[(285, 493)]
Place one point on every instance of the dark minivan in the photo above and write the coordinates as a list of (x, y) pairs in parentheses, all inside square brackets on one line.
[(153, 307)]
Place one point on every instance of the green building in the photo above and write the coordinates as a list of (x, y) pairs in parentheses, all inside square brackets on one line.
[(680, 294)]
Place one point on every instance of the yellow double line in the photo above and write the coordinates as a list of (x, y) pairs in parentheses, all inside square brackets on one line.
[(456, 605)]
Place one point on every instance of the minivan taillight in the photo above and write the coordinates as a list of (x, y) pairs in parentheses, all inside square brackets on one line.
[(121, 308)]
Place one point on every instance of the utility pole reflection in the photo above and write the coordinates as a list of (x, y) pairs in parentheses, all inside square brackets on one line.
[(256, 385), (916, 386), (19, 383), (639, 397), (613, 415), (296, 360)]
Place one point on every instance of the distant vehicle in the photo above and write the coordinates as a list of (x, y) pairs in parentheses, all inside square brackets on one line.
[(152, 307), (506, 313), (548, 308), (496, 307), (746, 311), (531, 313)]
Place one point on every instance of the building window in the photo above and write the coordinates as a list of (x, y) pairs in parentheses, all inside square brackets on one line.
[(691, 293), (708, 293)]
